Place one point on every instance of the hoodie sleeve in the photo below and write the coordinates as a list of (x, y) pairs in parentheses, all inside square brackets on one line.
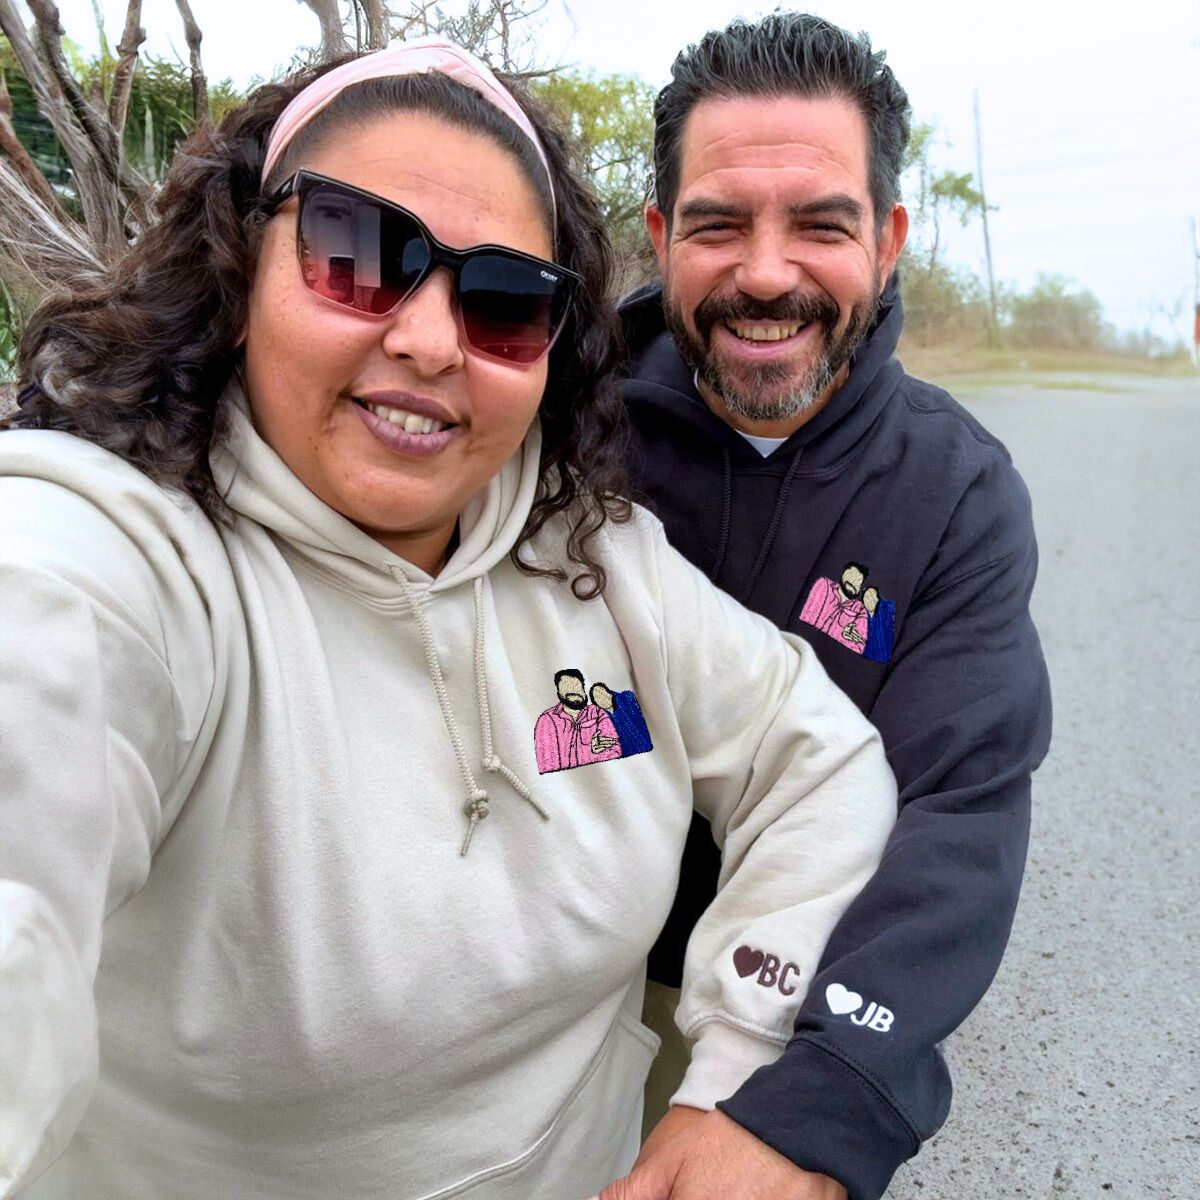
[(965, 713), (794, 782), (88, 744)]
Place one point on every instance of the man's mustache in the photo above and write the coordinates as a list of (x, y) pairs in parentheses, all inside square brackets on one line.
[(792, 309)]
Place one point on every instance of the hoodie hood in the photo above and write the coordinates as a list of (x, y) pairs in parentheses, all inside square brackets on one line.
[(661, 379), (259, 485)]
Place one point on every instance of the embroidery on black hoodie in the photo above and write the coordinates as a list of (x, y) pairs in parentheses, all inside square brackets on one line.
[(584, 728), (855, 616)]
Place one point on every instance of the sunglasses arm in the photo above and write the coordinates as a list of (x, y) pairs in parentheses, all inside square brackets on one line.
[(283, 193)]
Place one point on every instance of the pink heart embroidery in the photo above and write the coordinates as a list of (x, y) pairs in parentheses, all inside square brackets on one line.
[(747, 961)]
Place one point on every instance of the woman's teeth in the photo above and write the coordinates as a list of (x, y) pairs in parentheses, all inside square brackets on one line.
[(408, 421), (763, 333)]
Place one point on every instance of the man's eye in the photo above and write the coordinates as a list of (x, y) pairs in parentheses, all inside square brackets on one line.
[(828, 232)]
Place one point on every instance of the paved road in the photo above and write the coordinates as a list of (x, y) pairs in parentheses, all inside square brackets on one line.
[(1079, 1075)]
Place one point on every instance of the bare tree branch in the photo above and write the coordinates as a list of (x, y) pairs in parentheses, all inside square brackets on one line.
[(200, 108), (415, 20), (21, 159), (378, 25), (61, 101), (38, 250), (49, 35), (333, 36), (127, 51)]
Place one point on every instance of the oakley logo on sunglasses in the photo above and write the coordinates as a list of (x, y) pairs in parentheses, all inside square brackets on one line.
[(366, 254)]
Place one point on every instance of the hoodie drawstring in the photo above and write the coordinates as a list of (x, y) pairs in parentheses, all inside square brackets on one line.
[(726, 513), (476, 806), (772, 529)]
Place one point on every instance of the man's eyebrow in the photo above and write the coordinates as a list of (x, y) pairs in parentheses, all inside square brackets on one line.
[(839, 205), (830, 206), (703, 207)]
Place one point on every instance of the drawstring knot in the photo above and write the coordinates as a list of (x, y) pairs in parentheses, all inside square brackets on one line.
[(475, 809)]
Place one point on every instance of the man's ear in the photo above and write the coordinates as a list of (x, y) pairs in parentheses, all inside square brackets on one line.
[(656, 224), (891, 241)]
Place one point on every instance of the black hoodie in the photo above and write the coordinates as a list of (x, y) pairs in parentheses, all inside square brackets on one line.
[(893, 487)]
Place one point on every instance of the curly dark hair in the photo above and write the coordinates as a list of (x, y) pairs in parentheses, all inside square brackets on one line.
[(785, 54), (136, 360)]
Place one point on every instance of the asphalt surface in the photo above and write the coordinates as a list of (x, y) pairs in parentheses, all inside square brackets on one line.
[(1079, 1075)]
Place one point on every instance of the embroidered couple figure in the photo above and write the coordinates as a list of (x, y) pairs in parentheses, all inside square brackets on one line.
[(585, 728), (849, 613)]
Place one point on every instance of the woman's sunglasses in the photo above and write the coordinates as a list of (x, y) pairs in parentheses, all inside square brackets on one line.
[(365, 254)]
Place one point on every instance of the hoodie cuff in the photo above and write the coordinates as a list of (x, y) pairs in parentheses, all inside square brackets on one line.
[(722, 1059), (816, 1109)]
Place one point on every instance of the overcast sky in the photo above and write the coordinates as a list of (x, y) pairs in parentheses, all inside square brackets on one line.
[(1091, 124)]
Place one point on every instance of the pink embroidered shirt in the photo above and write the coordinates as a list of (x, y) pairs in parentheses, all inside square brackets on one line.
[(829, 611), (563, 739)]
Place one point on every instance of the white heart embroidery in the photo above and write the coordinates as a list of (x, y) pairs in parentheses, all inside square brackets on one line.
[(842, 1001)]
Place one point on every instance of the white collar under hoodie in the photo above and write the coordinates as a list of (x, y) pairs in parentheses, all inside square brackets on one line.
[(241, 950)]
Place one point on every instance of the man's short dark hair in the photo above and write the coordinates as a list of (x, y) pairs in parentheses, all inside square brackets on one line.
[(786, 54), (558, 675), (853, 566)]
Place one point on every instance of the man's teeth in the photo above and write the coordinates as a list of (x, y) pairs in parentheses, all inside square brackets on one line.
[(408, 421), (764, 333)]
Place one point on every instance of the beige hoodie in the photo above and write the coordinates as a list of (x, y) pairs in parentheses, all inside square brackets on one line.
[(241, 952)]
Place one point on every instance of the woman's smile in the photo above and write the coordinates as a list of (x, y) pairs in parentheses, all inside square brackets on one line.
[(407, 424)]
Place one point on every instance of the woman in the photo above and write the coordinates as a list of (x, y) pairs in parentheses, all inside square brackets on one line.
[(308, 519)]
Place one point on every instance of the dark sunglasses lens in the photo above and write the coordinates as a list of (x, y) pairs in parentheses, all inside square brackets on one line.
[(357, 254), (511, 309)]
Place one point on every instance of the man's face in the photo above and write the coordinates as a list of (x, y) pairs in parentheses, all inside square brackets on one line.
[(571, 693), (851, 584), (772, 268)]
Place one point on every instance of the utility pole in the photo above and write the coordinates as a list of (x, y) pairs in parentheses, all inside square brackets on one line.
[(1195, 295), (994, 326)]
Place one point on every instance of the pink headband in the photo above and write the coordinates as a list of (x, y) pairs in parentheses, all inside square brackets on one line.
[(420, 56)]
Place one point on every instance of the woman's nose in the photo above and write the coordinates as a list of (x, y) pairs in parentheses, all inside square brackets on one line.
[(424, 331)]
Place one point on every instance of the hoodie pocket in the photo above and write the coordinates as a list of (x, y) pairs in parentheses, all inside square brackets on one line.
[(592, 1139)]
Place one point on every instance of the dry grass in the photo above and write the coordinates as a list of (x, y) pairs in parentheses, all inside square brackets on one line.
[(947, 363)]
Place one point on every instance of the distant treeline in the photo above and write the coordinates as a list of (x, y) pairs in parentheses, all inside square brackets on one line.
[(949, 306)]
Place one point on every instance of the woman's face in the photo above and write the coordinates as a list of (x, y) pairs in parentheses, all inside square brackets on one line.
[(320, 377)]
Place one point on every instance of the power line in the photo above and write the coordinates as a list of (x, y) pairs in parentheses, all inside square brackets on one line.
[(1099, 124), (1071, 164)]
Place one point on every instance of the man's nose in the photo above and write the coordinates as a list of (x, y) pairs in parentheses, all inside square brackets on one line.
[(767, 268)]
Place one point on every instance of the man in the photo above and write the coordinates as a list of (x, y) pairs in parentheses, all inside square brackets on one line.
[(779, 439), (573, 733), (627, 718), (835, 608)]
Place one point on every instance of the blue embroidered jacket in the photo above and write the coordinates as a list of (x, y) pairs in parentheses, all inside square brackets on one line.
[(630, 724), (892, 486)]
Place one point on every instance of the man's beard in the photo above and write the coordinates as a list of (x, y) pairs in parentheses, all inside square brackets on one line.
[(798, 388), (574, 703)]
